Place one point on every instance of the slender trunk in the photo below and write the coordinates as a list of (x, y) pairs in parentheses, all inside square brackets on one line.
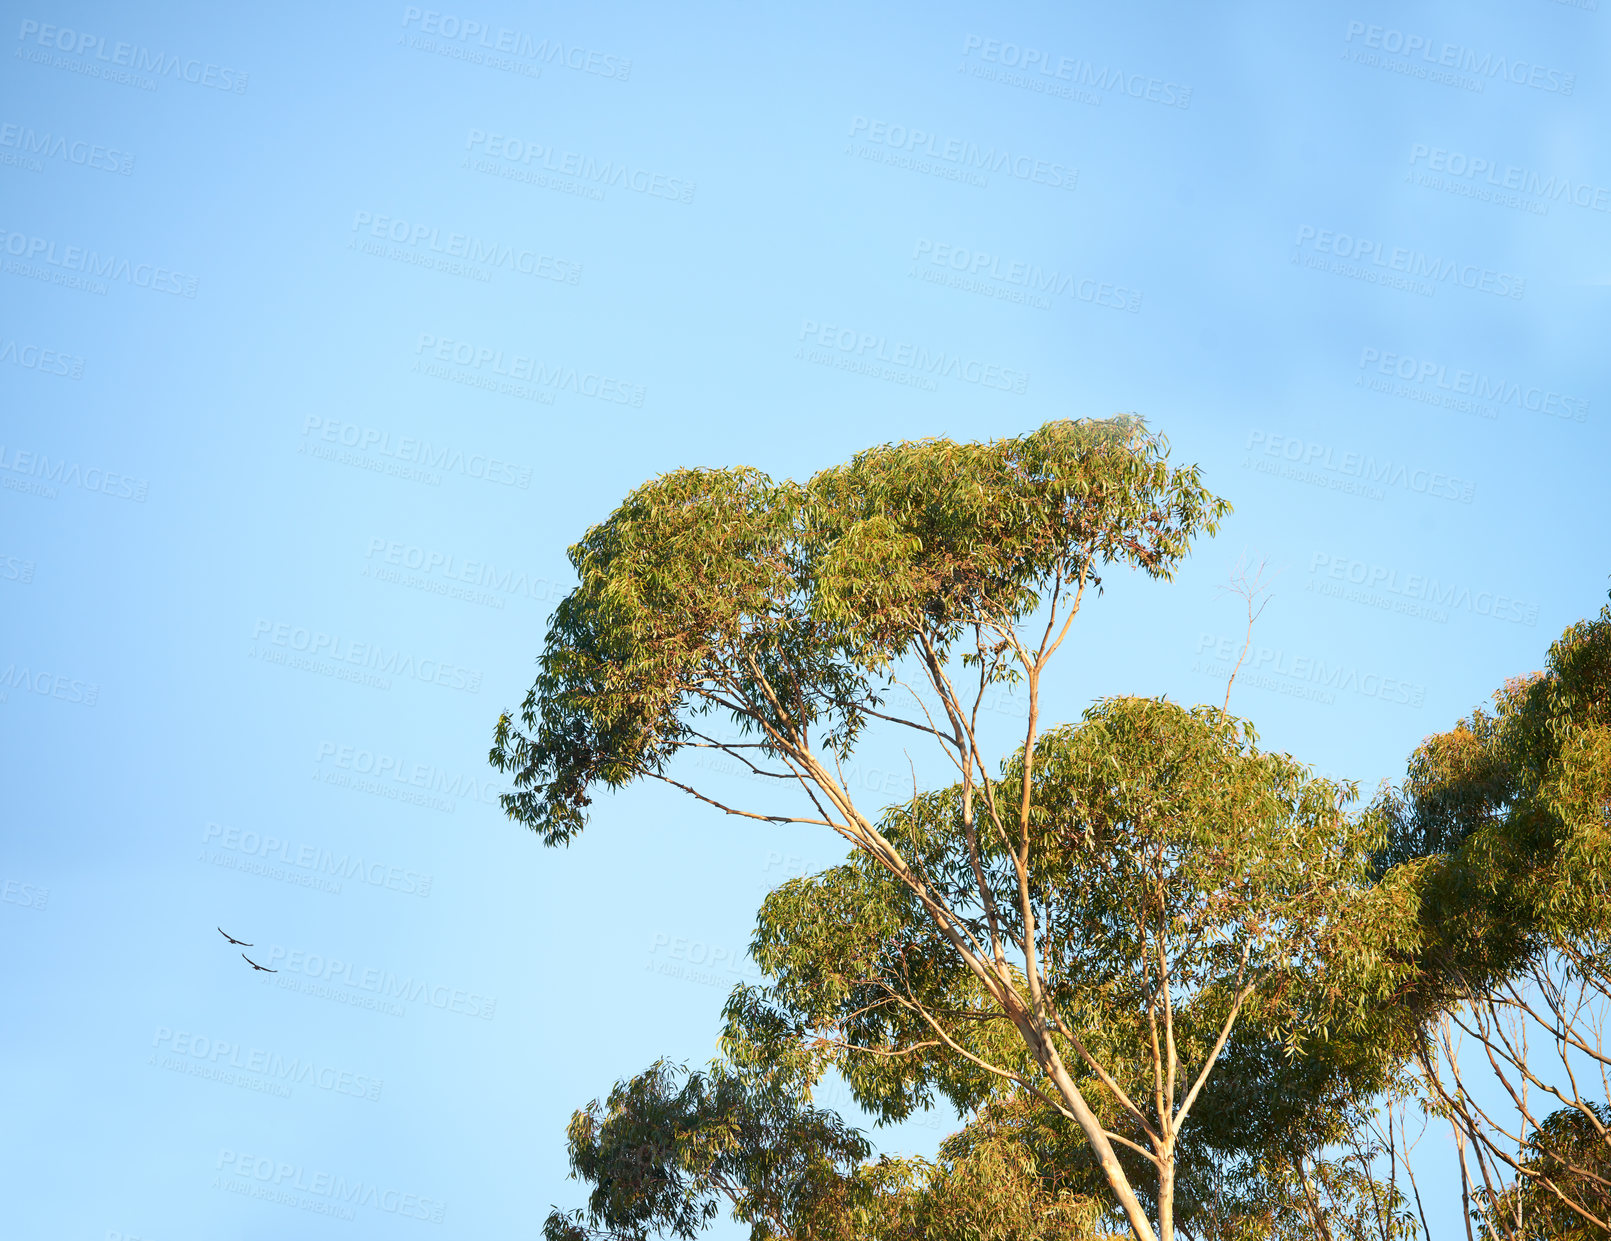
[(1166, 1192), (1032, 1025), (1028, 1023), (1046, 1055)]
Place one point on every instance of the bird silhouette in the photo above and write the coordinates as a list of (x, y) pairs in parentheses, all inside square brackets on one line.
[(240, 942), (256, 966)]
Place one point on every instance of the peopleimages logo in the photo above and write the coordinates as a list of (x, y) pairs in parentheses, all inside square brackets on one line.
[(399, 770), (1412, 265), (380, 982), (870, 350), (48, 685), (1030, 278), (128, 56), (36, 465), (286, 1178), (523, 153), (482, 574), (45, 361), (1303, 676), (1459, 382), (16, 569), (223, 1061), (315, 644), (964, 154), (524, 368), (405, 451), (1417, 594), (1464, 59), (693, 960), (467, 31), (1363, 473), (27, 895), (472, 250), (89, 267), (32, 145), (1496, 176), (317, 861), (1037, 69)]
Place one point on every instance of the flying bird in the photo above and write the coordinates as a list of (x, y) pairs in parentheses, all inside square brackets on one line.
[(240, 942), (256, 966)]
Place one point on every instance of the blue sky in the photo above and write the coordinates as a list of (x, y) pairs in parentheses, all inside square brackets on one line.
[(325, 333)]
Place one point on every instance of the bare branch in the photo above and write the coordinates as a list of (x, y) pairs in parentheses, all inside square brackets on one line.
[(1248, 589)]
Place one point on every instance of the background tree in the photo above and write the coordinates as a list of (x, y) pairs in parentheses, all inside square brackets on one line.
[(662, 1156), (1504, 822)]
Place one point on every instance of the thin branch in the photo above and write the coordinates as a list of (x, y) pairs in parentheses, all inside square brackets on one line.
[(1248, 589), (1219, 1046)]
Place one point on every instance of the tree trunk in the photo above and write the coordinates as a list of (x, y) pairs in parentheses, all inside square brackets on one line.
[(1166, 1192), (1140, 1225)]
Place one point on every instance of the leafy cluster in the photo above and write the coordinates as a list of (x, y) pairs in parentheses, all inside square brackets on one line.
[(1505, 822), (670, 1146), (784, 606), (1177, 865)]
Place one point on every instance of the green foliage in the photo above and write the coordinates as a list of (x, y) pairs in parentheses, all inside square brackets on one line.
[(661, 1155), (1503, 832), (1343, 1199), (1172, 856), (669, 1144), (1567, 1160), (1155, 829), (1504, 823), (785, 606)]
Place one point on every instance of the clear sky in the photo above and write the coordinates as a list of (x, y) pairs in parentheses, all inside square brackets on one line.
[(325, 329)]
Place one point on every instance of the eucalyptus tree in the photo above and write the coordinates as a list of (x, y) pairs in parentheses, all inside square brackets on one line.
[(1180, 884), (669, 1147), (1087, 921), (1197, 902), (1503, 824)]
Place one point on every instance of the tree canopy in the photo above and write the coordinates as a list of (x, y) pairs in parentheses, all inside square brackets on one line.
[(786, 606), (1161, 972), (793, 608)]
